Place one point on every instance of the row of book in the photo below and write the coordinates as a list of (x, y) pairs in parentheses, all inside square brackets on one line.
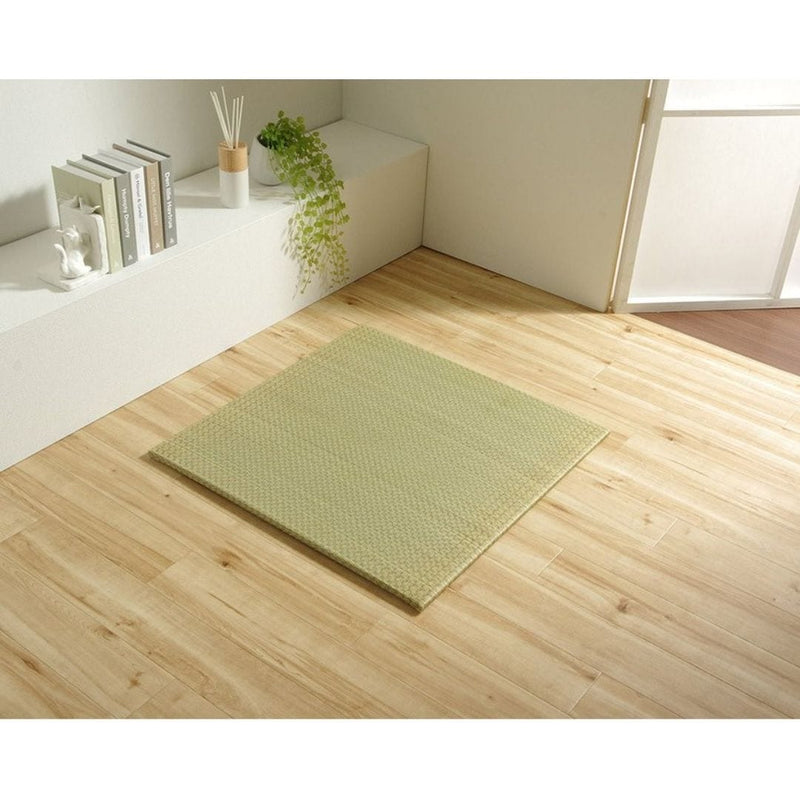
[(131, 187)]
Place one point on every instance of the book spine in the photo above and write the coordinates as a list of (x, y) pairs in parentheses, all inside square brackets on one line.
[(168, 203), (126, 219), (108, 209), (154, 207), (139, 198), (164, 160)]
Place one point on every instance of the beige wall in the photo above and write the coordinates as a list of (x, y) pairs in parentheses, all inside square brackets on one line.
[(527, 178), (46, 122)]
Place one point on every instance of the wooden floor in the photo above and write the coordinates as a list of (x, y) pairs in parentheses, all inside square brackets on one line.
[(660, 578), (769, 335)]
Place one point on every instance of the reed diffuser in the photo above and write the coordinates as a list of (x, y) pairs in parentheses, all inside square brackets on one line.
[(234, 176)]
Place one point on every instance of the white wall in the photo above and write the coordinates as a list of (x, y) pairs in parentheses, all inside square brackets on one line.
[(47, 121), (527, 178)]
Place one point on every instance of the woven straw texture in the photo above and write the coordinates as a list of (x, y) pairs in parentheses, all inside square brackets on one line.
[(395, 462)]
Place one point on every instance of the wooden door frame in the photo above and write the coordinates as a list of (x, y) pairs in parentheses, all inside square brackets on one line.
[(651, 122)]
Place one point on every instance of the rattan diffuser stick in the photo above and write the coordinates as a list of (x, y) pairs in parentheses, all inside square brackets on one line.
[(229, 121), (233, 166)]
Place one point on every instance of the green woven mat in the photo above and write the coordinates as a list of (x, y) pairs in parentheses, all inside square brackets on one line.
[(395, 462)]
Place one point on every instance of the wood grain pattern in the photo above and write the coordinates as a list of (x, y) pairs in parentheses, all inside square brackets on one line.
[(659, 578), (554, 616), (610, 699), (467, 687), (177, 701), (91, 656), (32, 690), (15, 514), (318, 662)]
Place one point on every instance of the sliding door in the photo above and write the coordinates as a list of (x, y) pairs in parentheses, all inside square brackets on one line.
[(715, 211)]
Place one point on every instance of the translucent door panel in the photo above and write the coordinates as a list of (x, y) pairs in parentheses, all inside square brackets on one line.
[(718, 206)]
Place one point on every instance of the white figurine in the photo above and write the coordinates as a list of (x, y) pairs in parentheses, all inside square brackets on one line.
[(83, 248), (74, 248)]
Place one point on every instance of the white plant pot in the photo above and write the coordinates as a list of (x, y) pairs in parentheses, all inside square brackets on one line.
[(260, 166)]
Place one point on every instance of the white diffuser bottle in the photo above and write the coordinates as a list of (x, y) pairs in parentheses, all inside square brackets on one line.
[(234, 175)]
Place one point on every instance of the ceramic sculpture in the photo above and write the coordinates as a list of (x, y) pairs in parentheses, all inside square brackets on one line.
[(82, 249)]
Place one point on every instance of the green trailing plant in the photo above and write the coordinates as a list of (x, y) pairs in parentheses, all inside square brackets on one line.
[(299, 159)]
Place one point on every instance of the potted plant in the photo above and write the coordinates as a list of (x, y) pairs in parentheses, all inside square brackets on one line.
[(298, 158)]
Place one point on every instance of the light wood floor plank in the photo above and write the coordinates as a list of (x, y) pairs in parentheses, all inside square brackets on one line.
[(32, 690), (521, 550), (688, 512), (759, 674), (548, 672), (463, 684), (96, 518), (695, 390), (73, 644), (696, 590), (15, 513), (610, 699), (177, 701), (530, 603), (678, 488), (751, 573), (355, 686), (589, 493), (207, 662), (674, 416)]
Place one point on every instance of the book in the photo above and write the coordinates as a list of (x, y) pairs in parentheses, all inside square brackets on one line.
[(70, 182), (122, 184), (167, 188), (138, 195), (152, 182)]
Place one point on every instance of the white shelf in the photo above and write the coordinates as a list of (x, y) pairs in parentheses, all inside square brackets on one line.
[(67, 358), (201, 217)]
